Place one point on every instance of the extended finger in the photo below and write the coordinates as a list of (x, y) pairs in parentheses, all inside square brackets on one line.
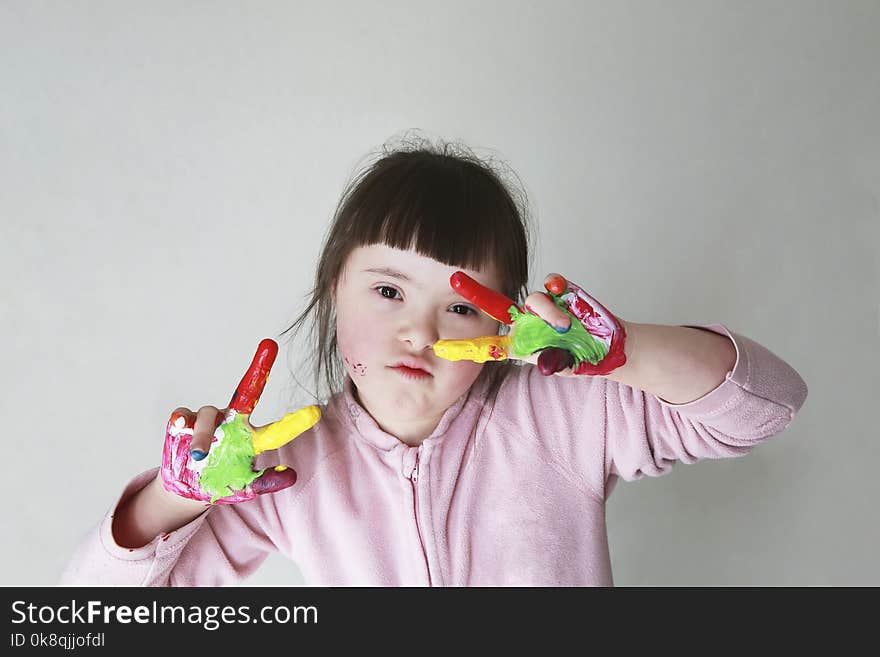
[(249, 389), (281, 432), (274, 479), (493, 303), (478, 350)]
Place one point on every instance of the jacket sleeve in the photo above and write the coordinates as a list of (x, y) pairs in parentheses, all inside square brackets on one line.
[(597, 430), (645, 435), (219, 547)]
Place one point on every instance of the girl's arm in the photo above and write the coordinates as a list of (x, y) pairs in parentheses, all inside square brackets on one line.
[(600, 430), (150, 512), (678, 364), (220, 546)]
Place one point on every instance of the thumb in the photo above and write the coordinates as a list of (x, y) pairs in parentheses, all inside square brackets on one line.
[(274, 479), (553, 360)]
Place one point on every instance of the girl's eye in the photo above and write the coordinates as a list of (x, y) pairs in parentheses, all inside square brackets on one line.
[(458, 309), (386, 287)]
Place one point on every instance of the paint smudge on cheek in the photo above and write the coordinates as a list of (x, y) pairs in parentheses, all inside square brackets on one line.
[(357, 368)]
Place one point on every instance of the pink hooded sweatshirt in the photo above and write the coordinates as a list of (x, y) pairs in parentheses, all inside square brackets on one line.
[(510, 492)]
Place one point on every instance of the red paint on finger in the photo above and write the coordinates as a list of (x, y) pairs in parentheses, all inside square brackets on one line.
[(188, 422), (493, 303), (556, 284), (254, 380)]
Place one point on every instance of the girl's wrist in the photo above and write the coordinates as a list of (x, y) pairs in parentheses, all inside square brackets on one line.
[(173, 501)]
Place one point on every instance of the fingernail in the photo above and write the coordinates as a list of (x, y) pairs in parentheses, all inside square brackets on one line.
[(560, 329), (197, 454)]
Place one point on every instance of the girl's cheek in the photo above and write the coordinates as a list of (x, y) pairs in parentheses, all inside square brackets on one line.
[(350, 348)]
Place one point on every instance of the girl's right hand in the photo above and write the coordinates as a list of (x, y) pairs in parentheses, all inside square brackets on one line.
[(208, 456)]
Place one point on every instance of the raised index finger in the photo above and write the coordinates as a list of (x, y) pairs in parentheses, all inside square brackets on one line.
[(493, 303), (248, 392)]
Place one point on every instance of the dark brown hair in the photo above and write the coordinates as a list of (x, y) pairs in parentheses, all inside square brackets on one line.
[(440, 200)]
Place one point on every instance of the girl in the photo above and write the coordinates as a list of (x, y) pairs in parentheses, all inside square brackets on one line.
[(424, 470)]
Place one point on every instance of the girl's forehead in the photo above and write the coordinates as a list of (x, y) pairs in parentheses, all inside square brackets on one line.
[(409, 266)]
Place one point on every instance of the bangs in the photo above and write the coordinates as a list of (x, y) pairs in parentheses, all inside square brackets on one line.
[(442, 208)]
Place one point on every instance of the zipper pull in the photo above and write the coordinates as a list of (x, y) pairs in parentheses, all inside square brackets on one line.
[(414, 475)]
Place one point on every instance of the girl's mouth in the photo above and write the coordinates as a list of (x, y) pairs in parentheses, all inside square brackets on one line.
[(411, 373)]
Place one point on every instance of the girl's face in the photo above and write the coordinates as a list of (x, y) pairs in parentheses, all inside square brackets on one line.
[(392, 306)]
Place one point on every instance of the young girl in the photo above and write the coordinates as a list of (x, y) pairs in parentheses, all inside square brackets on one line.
[(423, 470)]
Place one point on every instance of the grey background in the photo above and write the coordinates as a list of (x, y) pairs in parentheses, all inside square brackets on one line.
[(169, 169)]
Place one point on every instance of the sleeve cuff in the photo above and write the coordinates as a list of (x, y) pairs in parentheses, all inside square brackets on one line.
[(732, 384)]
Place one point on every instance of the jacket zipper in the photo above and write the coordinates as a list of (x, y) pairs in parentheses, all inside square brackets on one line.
[(414, 479)]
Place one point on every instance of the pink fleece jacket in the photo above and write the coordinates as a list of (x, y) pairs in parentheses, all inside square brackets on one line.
[(505, 493)]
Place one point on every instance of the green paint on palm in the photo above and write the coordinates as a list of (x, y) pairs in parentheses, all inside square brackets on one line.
[(530, 333), (230, 462)]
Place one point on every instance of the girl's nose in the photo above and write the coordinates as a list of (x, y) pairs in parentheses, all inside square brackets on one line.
[(420, 335)]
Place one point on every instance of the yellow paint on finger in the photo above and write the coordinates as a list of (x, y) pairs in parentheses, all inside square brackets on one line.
[(280, 468), (279, 433), (478, 350)]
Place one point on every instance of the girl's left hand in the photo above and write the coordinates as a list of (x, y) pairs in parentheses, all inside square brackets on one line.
[(578, 335), (599, 322)]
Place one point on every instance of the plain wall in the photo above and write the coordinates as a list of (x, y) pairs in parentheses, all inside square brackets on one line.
[(169, 170)]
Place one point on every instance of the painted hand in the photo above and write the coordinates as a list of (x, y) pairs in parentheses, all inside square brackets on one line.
[(565, 332), (226, 475)]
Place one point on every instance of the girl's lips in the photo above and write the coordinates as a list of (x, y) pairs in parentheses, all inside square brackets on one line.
[(411, 373), (413, 364)]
